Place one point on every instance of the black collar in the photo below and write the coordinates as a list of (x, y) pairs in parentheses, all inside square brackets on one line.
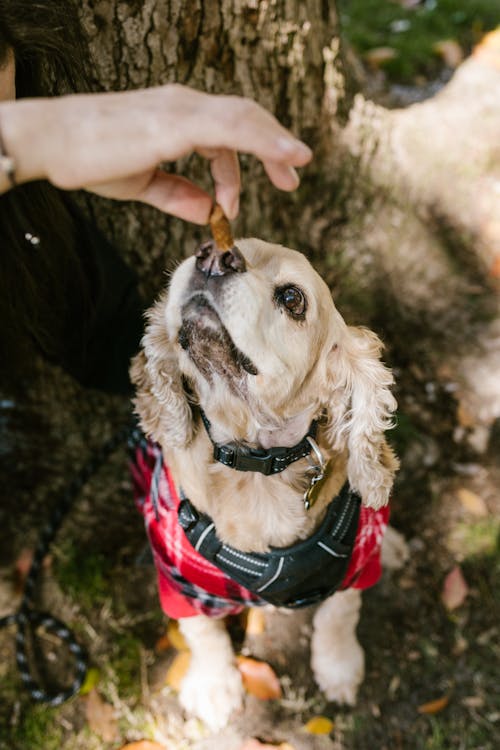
[(270, 461)]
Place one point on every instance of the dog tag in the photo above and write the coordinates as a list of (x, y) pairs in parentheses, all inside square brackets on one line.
[(312, 492)]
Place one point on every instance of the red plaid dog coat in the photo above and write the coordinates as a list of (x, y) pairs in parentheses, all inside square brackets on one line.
[(191, 585)]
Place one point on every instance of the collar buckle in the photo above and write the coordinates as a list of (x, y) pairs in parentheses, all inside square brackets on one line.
[(267, 462)]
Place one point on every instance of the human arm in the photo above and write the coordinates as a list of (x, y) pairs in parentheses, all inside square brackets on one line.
[(112, 144)]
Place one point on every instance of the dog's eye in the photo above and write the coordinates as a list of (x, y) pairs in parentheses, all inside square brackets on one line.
[(292, 299)]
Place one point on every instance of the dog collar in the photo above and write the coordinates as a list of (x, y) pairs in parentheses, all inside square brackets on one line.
[(265, 461), (296, 576)]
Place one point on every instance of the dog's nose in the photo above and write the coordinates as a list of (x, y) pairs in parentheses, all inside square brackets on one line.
[(211, 262)]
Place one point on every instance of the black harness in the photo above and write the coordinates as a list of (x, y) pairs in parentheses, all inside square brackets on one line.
[(296, 576)]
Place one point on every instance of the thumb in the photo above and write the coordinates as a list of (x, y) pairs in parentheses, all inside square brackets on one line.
[(177, 196)]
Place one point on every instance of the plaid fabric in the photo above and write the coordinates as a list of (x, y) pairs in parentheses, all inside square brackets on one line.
[(188, 583)]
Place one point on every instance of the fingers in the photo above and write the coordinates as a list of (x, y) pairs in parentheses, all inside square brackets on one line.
[(282, 175), (225, 170), (237, 124), (177, 196)]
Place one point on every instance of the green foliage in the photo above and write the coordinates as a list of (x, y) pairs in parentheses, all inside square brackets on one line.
[(125, 665), (367, 24), (38, 729), (83, 575)]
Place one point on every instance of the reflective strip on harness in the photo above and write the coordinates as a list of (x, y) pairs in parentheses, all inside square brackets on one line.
[(295, 576)]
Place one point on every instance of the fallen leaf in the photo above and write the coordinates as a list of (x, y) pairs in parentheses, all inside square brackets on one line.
[(256, 622), (254, 744), (259, 678), (91, 680), (455, 589), (450, 51), (162, 644), (379, 56), (175, 636), (495, 266), (394, 685), (22, 567), (143, 745), (473, 701), (319, 725), (472, 503), (177, 670), (434, 707), (101, 717)]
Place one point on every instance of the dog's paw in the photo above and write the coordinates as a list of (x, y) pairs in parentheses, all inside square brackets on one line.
[(395, 551), (340, 676), (212, 695)]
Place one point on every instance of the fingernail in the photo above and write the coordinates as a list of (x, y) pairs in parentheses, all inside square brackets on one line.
[(295, 177), (294, 146), (235, 207)]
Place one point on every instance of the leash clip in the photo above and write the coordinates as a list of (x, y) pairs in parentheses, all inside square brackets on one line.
[(318, 469)]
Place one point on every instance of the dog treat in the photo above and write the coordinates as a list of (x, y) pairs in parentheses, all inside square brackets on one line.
[(221, 231)]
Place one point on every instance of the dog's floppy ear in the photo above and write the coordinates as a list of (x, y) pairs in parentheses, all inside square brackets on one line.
[(360, 411), (161, 403)]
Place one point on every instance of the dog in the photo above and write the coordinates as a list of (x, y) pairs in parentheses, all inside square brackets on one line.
[(266, 417)]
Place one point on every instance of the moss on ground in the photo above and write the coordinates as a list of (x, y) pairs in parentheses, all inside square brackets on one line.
[(83, 575)]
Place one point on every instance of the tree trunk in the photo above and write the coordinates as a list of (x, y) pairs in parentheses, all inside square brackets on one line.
[(399, 209)]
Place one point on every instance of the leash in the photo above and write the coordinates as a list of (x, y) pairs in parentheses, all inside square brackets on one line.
[(27, 618)]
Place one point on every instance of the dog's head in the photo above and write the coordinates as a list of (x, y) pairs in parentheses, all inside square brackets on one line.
[(254, 336)]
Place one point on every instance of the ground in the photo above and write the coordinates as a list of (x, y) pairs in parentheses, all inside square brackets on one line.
[(98, 579), (417, 650)]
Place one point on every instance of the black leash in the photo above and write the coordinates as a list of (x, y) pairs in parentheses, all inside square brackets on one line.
[(27, 618)]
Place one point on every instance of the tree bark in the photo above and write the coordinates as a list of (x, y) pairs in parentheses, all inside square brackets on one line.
[(271, 52), (399, 209)]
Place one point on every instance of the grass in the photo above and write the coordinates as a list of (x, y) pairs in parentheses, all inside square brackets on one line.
[(83, 575), (38, 729), (413, 32)]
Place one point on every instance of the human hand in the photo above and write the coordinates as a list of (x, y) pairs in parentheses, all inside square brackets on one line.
[(112, 144)]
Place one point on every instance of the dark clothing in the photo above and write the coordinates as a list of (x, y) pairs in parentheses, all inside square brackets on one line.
[(101, 341)]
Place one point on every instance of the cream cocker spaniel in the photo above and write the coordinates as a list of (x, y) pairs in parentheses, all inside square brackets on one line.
[(270, 413)]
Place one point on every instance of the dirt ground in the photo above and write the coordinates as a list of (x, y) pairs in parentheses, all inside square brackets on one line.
[(98, 580)]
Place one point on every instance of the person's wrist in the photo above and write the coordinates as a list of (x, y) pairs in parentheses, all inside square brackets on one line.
[(22, 122)]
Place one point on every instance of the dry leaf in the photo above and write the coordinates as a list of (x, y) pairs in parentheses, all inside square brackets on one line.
[(450, 51), (91, 680), (434, 707), (495, 266), (162, 644), (177, 670), (254, 744), (378, 56), (455, 589), (101, 717), (256, 622), (22, 567), (144, 745), (472, 503), (175, 636), (259, 679), (473, 701), (319, 725)]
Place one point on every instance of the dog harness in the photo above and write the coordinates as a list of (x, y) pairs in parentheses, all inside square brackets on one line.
[(197, 574)]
